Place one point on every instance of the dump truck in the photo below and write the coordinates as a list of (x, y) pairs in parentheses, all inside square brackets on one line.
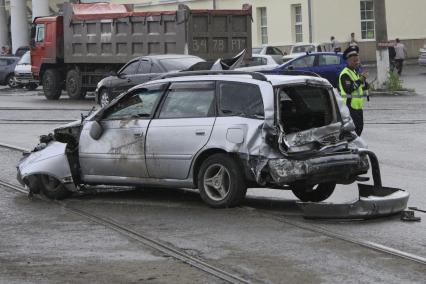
[(75, 50)]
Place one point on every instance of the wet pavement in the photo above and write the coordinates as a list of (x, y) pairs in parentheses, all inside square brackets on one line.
[(42, 242)]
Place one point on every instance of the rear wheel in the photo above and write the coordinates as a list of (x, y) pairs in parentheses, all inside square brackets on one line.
[(221, 182), (52, 84), (53, 188), (74, 85), (313, 193), (104, 98)]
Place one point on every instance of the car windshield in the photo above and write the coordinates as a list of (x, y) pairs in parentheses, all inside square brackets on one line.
[(26, 58), (303, 48), (256, 50), (178, 64)]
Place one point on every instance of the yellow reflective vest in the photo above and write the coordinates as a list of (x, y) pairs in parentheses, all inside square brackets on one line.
[(357, 96)]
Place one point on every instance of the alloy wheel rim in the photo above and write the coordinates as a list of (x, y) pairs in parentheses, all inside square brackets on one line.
[(104, 99), (12, 82), (217, 182)]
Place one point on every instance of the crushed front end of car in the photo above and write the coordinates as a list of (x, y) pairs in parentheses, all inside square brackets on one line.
[(53, 163)]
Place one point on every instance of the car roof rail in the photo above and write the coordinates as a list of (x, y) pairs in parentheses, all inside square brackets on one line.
[(292, 73), (254, 75)]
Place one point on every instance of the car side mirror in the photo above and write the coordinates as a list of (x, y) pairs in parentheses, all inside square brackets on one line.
[(121, 75), (96, 130), (291, 67)]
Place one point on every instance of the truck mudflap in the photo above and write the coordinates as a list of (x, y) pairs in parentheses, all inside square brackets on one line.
[(374, 200)]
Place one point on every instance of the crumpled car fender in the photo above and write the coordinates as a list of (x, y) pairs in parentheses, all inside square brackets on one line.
[(52, 161)]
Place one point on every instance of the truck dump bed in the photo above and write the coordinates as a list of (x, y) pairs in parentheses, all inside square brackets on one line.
[(113, 33)]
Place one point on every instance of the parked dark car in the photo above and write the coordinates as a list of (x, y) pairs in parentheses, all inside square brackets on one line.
[(326, 64), (20, 51), (141, 70), (7, 70)]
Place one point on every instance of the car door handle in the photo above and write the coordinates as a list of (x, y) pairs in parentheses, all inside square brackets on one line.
[(129, 80), (200, 132), (138, 135)]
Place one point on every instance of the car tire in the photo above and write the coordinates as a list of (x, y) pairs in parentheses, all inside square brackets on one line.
[(11, 82), (312, 193), (104, 98), (74, 85), (221, 181), (34, 184), (53, 188), (52, 84), (31, 86)]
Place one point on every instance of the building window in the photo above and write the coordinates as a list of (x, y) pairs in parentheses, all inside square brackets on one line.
[(263, 24), (298, 27), (367, 19)]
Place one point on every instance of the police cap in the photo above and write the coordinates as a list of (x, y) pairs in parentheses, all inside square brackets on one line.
[(350, 51)]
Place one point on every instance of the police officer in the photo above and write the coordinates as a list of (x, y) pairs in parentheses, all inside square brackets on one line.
[(352, 87)]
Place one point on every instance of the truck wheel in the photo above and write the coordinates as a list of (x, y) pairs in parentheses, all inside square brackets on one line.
[(221, 182), (311, 193), (53, 188), (52, 84), (31, 86), (11, 81), (74, 85)]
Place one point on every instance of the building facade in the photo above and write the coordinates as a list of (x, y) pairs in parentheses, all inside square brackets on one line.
[(282, 23)]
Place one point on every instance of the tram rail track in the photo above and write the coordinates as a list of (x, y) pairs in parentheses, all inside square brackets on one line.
[(145, 240), (212, 270)]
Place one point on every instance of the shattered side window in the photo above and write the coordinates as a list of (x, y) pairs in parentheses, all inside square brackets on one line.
[(139, 105), (240, 99)]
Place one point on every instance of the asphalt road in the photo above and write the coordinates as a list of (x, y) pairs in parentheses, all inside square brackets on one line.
[(260, 241)]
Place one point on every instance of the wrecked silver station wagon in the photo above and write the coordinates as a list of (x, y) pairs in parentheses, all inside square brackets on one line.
[(220, 132)]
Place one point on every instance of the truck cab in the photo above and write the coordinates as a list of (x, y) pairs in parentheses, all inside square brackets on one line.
[(46, 44)]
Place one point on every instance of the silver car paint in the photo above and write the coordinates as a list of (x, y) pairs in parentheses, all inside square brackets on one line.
[(119, 152), (51, 160), (172, 144)]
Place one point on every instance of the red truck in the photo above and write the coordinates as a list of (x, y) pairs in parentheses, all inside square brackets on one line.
[(75, 50)]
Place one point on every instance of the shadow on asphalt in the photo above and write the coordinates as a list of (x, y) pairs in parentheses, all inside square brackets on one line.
[(179, 197)]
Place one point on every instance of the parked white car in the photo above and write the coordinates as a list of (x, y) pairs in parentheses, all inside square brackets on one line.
[(23, 75), (259, 62), (422, 56), (275, 52), (301, 49)]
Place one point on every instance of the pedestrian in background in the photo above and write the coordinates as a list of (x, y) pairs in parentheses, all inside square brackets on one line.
[(335, 45), (353, 41), (400, 54), (352, 87), (392, 54), (3, 50)]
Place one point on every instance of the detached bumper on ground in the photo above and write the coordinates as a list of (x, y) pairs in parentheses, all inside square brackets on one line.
[(374, 200)]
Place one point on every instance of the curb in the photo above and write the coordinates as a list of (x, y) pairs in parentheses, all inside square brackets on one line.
[(391, 94)]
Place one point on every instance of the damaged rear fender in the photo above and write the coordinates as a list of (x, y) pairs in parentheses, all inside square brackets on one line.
[(51, 161)]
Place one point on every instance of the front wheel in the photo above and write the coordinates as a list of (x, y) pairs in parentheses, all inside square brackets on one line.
[(53, 188), (11, 82), (313, 193), (221, 182)]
